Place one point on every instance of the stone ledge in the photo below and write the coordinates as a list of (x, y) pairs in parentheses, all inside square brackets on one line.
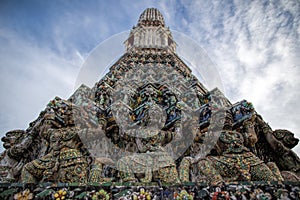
[(153, 190)]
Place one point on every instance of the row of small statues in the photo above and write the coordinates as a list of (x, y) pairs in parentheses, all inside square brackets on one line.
[(51, 150)]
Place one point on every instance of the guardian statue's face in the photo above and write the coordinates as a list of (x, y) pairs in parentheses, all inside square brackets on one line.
[(11, 138)]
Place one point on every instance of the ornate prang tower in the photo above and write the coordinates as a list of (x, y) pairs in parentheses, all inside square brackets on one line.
[(147, 121)]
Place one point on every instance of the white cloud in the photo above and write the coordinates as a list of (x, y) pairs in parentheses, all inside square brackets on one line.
[(30, 76), (256, 48)]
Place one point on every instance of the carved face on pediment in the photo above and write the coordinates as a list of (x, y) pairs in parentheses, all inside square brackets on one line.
[(12, 137), (286, 137)]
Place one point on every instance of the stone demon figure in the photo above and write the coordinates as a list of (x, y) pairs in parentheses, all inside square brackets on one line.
[(51, 149), (11, 165), (275, 146), (20, 147), (233, 160), (65, 159), (151, 160)]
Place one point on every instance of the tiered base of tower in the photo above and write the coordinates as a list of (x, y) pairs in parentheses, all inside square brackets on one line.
[(156, 191)]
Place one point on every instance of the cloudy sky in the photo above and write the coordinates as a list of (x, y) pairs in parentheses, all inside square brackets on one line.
[(255, 46)]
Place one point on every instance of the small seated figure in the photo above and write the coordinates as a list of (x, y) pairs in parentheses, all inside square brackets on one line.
[(238, 115), (172, 116), (205, 114)]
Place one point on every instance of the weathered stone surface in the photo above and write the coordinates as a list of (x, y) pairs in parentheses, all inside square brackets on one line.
[(150, 119)]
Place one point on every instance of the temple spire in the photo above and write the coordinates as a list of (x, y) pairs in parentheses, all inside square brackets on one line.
[(150, 33), (151, 17)]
